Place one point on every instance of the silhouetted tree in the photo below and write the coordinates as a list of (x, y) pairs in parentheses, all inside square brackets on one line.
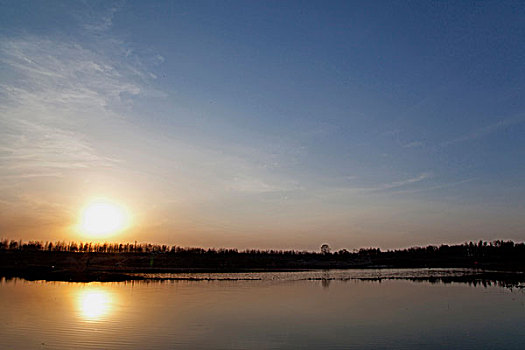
[(325, 249)]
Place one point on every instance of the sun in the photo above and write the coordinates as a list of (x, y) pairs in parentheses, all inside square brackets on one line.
[(102, 218)]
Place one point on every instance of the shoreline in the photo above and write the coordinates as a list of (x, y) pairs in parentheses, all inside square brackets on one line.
[(435, 275)]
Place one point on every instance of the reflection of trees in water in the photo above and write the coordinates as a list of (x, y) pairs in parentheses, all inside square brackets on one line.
[(511, 283), (482, 279), (326, 278), (510, 280)]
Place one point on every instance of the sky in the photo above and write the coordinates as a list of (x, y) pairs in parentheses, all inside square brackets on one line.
[(265, 124)]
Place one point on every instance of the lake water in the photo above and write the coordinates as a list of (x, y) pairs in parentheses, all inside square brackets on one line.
[(310, 310)]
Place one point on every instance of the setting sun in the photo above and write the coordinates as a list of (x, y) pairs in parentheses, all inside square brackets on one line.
[(102, 218)]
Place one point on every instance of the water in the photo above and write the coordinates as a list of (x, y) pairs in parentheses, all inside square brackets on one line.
[(310, 310)]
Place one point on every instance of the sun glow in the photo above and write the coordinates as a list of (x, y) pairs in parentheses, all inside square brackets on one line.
[(102, 218), (94, 303)]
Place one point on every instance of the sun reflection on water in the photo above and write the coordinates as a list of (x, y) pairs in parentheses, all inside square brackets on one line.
[(95, 303)]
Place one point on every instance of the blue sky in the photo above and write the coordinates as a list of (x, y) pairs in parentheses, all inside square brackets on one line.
[(265, 124)]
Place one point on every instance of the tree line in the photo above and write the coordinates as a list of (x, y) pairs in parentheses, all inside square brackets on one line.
[(475, 250)]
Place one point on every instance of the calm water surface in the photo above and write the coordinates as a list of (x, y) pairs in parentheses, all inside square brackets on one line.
[(262, 311)]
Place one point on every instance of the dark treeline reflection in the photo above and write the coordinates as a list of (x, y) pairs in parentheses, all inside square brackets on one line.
[(474, 279), (471, 278)]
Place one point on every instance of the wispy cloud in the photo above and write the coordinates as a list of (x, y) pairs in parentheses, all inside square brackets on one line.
[(484, 131), (33, 147), (99, 22), (254, 185), (408, 181), (61, 94), (377, 188), (55, 92), (435, 187), (413, 144), (400, 183)]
